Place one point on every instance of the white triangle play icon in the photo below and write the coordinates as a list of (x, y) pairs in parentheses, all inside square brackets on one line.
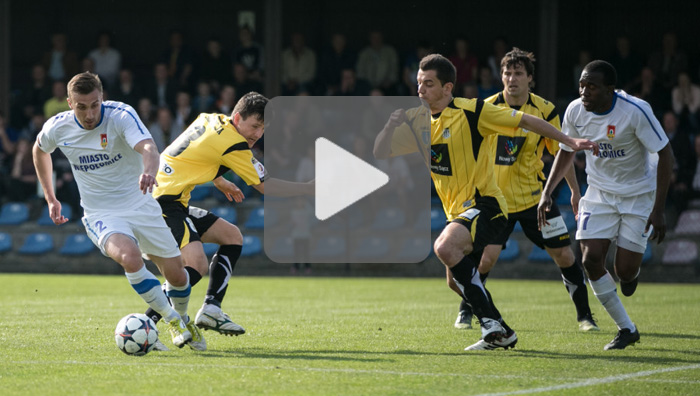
[(342, 178)]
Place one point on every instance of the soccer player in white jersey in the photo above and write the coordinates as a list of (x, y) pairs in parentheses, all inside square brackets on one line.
[(114, 161), (627, 188)]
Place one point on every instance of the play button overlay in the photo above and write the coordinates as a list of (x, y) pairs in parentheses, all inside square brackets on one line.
[(342, 179), (365, 206)]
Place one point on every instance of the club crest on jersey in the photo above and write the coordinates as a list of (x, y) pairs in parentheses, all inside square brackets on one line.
[(103, 140), (611, 132), (446, 133)]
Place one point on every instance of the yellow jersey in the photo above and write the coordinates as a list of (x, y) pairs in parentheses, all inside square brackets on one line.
[(208, 148), (461, 159), (518, 159)]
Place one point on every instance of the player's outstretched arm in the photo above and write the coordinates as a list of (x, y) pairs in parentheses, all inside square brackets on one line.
[(151, 158), (382, 143), (542, 127), (230, 190), (283, 188), (664, 171), (562, 163), (44, 171)]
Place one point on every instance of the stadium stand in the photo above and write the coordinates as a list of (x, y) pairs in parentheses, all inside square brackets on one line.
[(210, 248), (329, 247), (416, 248), (539, 255), (37, 243), (437, 219), (77, 245), (45, 218), (201, 192), (14, 213), (389, 218), (680, 252), (227, 213), (252, 245), (688, 223), (5, 242), (511, 252), (371, 248)]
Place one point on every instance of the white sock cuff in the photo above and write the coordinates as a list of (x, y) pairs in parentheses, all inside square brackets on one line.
[(169, 286), (140, 275), (605, 284)]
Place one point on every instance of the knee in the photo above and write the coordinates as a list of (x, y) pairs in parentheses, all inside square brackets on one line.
[(626, 274), (563, 257), (443, 251)]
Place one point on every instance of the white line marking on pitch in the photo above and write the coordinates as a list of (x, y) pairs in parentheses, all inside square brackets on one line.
[(595, 381)]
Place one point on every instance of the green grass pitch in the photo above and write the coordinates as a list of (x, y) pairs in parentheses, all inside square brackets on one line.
[(345, 336)]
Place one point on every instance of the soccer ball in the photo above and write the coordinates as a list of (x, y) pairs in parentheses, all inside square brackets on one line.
[(136, 334)]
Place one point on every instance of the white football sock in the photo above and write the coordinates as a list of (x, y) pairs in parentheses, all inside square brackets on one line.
[(606, 292), (180, 297), (148, 287)]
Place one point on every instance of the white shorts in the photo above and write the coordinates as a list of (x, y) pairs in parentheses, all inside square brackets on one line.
[(602, 215), (145, 225)]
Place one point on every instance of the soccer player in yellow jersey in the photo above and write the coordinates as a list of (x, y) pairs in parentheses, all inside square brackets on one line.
[(461, 167), (212, 145), (518, 170)]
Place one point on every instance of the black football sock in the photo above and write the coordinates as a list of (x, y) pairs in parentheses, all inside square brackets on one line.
[(194, 278), (464, 275), (464, 306), (574, 282), (220, 271)]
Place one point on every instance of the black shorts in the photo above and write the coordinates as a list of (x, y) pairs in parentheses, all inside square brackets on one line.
[(485, 221), (186, 224), (528, 221)]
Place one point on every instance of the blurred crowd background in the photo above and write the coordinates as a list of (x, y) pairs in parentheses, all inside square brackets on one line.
[(173, 60)]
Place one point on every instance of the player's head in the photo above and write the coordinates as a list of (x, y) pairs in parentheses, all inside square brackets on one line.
[(517, 70), (597, 86), (436, 78), (249, 116), (85, 99)]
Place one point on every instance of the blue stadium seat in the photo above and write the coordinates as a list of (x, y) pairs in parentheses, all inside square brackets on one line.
[(14, 213), (45, 218), (252, 245), (329, 247), (569, 218), (389, 218), (201, 192), (518, 227), (256, 219), (210, 249), (77, 245), (437, 219), (647, 253), (511, 252), (5, 242), (539, 255), (227, 213), (282, 249), (371, 248), (37, 243), (564, 196), (416, 248)]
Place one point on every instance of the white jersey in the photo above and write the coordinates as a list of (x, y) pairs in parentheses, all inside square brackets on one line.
[(629, 137), (103, 161)]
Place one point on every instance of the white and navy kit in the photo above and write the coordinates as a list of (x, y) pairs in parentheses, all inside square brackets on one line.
[(107, 170), (622, 178)]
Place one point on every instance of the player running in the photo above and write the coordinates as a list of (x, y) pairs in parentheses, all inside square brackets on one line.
[(626, 193), (462, 170), (114, 161), (518, 171)]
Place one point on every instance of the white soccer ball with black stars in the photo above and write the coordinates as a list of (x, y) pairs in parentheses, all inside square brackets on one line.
[(136, 334)]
